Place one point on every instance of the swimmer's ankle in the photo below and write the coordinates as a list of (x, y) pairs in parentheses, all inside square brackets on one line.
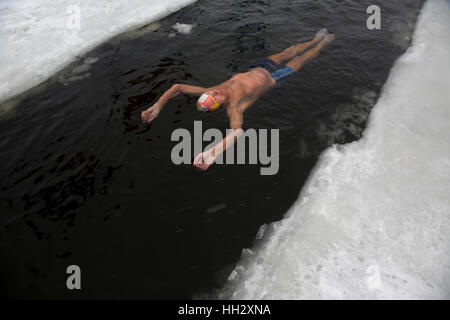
[(326, 41)]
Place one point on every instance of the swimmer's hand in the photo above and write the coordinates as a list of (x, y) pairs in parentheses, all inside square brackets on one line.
[(204, 160), (151, 113)]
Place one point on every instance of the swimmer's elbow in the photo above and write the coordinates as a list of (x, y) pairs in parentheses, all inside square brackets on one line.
[(176, 89)]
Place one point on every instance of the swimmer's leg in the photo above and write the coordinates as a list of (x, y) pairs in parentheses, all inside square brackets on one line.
[(288, 53), (311, 54)]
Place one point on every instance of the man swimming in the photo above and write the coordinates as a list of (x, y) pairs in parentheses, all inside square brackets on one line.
[(242, 90)]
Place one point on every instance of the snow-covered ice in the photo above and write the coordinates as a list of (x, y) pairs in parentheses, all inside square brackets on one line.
[(373, 220), (183, 27), (41, 37)]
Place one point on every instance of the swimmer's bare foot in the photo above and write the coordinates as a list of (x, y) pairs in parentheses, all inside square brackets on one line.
[(321, 34), (326, 41)]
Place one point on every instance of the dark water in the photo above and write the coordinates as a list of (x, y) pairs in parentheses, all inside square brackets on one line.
[(83, 181)]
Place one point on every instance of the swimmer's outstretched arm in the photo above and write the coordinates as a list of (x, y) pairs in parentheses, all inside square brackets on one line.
[(152, 112), (206, 158)]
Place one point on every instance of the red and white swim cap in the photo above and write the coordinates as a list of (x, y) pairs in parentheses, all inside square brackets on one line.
[(207, 103)]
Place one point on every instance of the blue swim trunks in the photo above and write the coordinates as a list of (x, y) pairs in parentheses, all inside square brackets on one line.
[(278, 73)]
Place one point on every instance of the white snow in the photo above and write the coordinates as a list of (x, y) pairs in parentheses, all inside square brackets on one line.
[(373, 221), (183, 28), (79, 72), (41, 37)]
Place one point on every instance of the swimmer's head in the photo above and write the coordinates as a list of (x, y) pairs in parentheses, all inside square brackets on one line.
[(211, 101)]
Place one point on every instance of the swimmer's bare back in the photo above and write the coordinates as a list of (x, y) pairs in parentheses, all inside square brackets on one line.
[(243, 90)]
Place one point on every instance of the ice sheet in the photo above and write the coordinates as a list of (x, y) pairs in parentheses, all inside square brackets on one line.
[(41, 37)]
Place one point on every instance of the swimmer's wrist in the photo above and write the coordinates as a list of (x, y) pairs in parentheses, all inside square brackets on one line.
[(210, 153), (158, 106)]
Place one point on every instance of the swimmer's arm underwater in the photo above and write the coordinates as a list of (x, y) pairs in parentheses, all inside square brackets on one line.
[(152, 112), (206, 158)]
